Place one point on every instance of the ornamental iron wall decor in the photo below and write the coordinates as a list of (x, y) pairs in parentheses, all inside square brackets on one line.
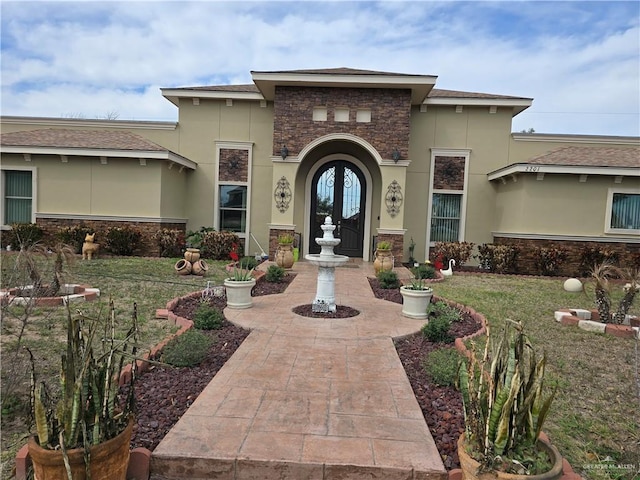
[(393, 199), (282, 194)]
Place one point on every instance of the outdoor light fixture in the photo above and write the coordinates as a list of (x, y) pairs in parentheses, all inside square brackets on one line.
[(395, 155), (284, 152)]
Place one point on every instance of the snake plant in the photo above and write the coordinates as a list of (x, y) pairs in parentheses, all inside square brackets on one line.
[(87, 410), (502, 392)]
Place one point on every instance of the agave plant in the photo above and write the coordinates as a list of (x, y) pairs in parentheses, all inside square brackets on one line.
[(87, 410), (504, 403)]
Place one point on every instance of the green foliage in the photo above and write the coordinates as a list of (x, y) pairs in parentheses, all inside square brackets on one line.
[(285, 239), (437, 330), (444, 310), (124, 241), (388, 279), (442, 365), (590, 256), (458, 251), (248, 262), (74, 236), (208, 317), (195, 239), (498, 258), (171, 242), (503, 396), (384, 245), (549, 259), (186, 350), (24, 235), (274, 274), (424, 271), (218, 245)]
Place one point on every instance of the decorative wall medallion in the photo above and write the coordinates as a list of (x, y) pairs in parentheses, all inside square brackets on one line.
[(234, 162), (393, 199), (282, 194)]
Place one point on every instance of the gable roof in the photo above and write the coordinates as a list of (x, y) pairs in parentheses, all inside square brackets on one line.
[(579, 160), (87, 143)]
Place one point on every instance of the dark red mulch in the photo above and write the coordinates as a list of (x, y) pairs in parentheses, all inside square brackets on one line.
[(164, 394), (341, 312)]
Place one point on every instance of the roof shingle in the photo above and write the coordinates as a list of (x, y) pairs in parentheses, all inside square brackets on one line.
[(590, 157), (94, 139)]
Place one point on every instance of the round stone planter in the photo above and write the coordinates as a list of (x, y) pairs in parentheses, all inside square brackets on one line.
[(239, 292), (415, 302)]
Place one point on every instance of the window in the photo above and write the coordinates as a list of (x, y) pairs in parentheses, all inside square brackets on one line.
[(233, 208), (17, 198), (341, 115), (363, 116), (320, 114), (445, 217), (623, 211)]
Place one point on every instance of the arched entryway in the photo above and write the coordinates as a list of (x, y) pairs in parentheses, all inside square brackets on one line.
[(339, 190)]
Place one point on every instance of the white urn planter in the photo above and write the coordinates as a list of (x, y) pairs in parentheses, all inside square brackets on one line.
[(239, 292), (415, 302)]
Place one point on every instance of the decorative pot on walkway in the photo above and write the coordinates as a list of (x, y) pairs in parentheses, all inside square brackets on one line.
[(239, 292), (415, 301), (108, 460), (284, 255), (383, 261)]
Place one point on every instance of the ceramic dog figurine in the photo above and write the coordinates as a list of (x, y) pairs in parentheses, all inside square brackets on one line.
[(88, 247)]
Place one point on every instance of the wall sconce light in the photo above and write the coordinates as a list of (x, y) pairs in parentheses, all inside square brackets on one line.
[(395, 155), (284, 152)]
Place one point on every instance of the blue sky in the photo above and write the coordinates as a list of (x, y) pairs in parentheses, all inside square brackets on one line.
[(579, 61)]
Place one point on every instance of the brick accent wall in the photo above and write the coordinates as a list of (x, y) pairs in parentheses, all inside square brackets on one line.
[(629, 253), (397, 245), (448, 173), (234, 165), (149, 247), (294, 127)]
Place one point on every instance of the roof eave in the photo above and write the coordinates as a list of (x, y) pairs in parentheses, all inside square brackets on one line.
[(531, 168), (518, 105), (174, 95)]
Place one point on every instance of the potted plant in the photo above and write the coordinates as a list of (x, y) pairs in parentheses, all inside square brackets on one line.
[(85, 432), (238, 287), (284, 254), (416, 297), (384, 260), (505, 408)]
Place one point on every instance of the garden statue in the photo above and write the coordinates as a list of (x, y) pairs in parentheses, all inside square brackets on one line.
[(89, 248)]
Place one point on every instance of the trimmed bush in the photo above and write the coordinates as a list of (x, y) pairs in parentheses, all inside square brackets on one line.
[(424, 271), (437, 330), (74, 236), (186, 350), (388, 279), (171, 242), (442, 309), (274, 274), (124, 241), (218, 245), (442, 366), (208, 317), (458, 251), (24, 235), (590, 256), (548, 260), (498, 258)]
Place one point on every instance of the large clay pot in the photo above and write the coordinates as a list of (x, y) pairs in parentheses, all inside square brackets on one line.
[(415, 302), (383, 261), (472, 470), (284, 256), (183, 267), (108, 460), (239, 293), (192, 255), (199, 268)]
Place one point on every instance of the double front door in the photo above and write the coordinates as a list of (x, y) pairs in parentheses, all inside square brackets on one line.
[(338, 191)]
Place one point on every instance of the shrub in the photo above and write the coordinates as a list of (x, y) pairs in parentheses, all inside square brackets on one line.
[(458, 251), (437, 330), (123, 241), (24, 235), (442, 366), (274, 274), (548, 260), (498, 258), (186, 350), (590, 256), (195, 239), (442, 309), (424, 271), (248, 263), (171, 242), (208, 317), (218, 245), (74, 236), (383, 245), (388, 279)]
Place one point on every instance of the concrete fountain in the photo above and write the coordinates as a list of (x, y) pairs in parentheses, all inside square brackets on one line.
[(327, 261)]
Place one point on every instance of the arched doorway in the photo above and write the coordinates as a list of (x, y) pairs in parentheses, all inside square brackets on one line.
[(338, 189)]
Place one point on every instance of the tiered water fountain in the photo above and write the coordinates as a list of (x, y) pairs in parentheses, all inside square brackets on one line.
[(327, 261)]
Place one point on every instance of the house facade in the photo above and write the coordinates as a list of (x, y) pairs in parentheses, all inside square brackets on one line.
[(388, 156)]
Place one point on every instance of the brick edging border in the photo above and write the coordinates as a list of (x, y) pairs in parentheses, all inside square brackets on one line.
[(589, 320)]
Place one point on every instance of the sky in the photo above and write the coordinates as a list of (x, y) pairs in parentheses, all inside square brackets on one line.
[(579, 61)]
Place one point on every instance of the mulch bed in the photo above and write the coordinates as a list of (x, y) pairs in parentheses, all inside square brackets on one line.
[(163, 393)]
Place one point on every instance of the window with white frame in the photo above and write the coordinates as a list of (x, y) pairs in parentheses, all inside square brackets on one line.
[(623, 211), (445, 217), (233, 208), (17, 196)]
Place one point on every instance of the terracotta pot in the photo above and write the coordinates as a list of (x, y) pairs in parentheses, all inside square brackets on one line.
[(383, 261), (192, 255), (471, 469), (415, 302), (109, 460), (239, 293), (183, 267), (199, 267), (284, 256)]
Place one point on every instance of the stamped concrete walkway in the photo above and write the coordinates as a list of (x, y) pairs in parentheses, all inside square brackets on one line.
[(306, 398)]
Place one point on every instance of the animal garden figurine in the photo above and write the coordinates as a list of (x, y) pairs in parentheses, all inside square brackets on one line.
[(88, 247)]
